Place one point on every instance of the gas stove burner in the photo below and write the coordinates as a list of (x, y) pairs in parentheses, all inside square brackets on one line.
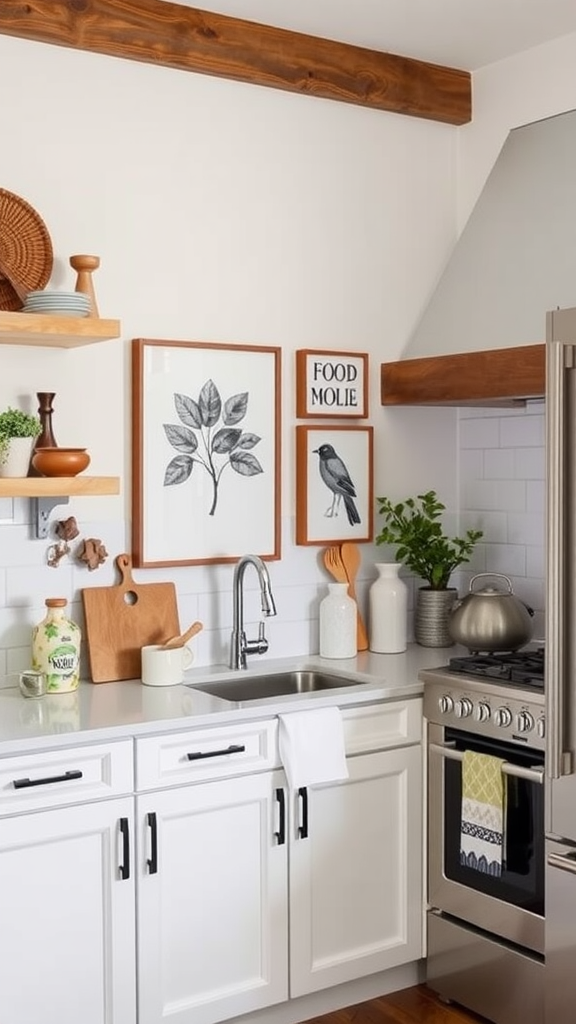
[(523, 668)]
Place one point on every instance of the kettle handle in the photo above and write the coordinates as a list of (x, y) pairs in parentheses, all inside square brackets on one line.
[(500, 575)]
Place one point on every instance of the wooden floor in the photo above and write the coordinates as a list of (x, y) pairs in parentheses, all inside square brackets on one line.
[(418, 1005)]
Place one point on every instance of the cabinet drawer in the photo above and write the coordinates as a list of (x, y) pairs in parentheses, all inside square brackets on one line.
[(67, 776), (201, 754), (378, 726)]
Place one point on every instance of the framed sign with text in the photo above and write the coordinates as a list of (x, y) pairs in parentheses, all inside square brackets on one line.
[(331, 384)]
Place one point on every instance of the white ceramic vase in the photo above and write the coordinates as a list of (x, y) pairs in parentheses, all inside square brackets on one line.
[(338, 623), (17, 459), (388, 606)]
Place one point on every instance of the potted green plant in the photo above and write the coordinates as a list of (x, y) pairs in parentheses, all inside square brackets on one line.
[(414, 526), (18, 431)]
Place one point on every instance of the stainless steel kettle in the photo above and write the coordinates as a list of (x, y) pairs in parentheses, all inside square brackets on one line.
[(491, 619)]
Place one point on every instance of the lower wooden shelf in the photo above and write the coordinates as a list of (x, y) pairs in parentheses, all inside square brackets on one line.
[(57, 486)]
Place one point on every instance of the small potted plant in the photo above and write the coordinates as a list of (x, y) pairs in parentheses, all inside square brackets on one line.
[(414, 526), (18, 431)]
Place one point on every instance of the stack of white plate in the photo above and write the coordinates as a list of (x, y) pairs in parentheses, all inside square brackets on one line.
[(57, 303)]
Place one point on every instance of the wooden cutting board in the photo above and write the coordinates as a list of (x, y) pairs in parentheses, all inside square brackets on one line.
[(121, 619)]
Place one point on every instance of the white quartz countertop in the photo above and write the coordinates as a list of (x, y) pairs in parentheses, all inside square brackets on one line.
[(107, 711)]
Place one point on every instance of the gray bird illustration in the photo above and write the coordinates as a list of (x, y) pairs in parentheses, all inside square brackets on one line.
[(337, 479)]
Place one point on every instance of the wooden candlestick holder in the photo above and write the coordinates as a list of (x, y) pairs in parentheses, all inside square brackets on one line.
[(84, 266)]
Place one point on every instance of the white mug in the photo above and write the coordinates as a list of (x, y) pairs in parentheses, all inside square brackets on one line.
[(162, 667)]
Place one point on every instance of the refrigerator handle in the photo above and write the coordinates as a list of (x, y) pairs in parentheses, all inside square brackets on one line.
[(559, 357)]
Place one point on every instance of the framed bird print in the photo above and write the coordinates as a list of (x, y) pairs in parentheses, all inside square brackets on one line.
[(334, 484), (206, 452), (331, 384)]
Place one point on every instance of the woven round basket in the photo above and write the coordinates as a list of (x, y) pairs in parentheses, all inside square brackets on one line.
[(25, 249)]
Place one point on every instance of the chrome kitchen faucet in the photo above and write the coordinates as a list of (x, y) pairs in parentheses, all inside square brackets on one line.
[(240, 647)]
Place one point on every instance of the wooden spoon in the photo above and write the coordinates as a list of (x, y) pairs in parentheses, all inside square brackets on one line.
[(179, 641), (335, 565), (350, 554)]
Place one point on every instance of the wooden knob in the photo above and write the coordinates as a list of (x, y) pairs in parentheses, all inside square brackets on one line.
[(84, 265)]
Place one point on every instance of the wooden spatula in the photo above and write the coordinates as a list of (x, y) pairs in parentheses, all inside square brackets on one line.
[(350, 554), (179, 641)]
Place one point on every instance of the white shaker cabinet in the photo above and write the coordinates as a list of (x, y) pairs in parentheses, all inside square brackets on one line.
[(67, 894), (212, 875), (250, 894), (356, 880)]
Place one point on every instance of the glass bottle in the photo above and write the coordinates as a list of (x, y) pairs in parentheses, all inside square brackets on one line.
[(388, 604), (56, 648), (338, 619)]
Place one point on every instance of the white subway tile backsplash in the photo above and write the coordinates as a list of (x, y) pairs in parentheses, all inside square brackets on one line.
[(493, 495), (522, 432), (525, 528), (536, 497), (479, 433), (509, 559), (499, 464), (504, 494), (529, 463)]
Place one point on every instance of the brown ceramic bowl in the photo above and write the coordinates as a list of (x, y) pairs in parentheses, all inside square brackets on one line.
[(60, 461)]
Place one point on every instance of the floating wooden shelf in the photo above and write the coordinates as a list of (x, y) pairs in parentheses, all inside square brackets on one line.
[(493, 377), (47, 492), (57, 486), (55, 331)]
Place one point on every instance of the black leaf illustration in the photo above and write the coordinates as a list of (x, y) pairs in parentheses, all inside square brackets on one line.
[(181, 438), (245, 464), (235, 409), (210, 404), (178, 470), (188, 411), (225, 440), (249, 441)]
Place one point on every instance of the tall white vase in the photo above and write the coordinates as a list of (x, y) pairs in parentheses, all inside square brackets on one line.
[(338, 623), (388, 604)]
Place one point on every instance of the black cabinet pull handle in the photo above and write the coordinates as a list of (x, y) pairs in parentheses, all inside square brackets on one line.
[(281, 833), (125, 833), (303, 826), (26, 783), (234, 748), (152, 861)]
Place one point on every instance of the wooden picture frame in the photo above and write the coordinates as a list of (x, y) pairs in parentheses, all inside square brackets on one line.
[(334, 484), (331, 384), (206, 452)]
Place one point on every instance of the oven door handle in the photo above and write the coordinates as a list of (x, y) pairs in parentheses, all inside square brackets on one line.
[(532, 774)]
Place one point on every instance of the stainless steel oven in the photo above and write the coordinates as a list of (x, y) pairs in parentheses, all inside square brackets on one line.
[(486, 933)]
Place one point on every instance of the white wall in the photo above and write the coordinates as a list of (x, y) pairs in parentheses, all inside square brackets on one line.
[(221, 212)]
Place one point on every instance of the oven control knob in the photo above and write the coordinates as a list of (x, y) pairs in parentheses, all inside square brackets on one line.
[(464, 708), (482, 711), (446, 704), (503, 717), (541, 727), (525, 722)]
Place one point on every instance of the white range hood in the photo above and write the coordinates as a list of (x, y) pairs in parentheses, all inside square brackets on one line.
[(516, 257)]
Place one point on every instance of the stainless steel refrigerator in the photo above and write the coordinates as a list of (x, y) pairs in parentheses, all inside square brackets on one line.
[(560, 667)]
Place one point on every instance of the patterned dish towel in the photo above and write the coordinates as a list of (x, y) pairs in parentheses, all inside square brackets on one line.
[(481, 831)]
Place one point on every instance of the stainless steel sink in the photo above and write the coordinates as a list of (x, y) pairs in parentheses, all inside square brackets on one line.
[(277, 684)]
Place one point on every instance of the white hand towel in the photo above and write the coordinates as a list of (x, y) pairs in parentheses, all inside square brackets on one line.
[(312, 747)]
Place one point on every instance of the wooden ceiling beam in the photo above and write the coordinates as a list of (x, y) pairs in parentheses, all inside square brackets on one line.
[(175, 36)]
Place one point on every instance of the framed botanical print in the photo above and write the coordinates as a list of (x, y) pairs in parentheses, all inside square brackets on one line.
[(334, 484), (206, 452), (331, 384)]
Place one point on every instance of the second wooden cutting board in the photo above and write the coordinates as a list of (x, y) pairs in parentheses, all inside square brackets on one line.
[(121, 619)]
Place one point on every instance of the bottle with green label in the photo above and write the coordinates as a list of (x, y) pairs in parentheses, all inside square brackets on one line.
[(56, 648)]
